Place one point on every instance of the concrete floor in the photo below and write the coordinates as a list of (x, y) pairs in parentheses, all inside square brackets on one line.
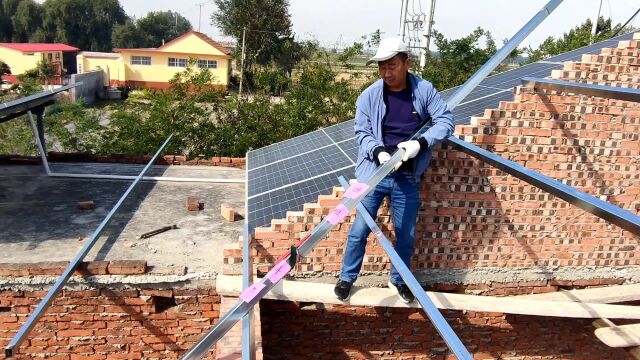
[(40, 220)]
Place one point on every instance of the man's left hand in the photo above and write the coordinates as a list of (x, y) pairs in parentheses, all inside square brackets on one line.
[(411, 149)]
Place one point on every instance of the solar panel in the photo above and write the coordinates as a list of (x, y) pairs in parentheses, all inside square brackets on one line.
[(286, 149), (286, 175), (295, 169)]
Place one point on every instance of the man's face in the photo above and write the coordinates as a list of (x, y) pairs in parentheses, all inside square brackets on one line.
[(394, 72)]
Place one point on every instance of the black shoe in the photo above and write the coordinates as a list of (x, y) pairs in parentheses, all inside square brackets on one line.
[(342, 290), (403, 290)]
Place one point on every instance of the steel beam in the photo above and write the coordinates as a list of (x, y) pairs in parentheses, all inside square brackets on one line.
[(21, 106), (88, 244), (589, 203), (453, 341)]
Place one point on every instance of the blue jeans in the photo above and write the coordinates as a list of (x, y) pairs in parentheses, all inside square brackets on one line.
[(402, 189)]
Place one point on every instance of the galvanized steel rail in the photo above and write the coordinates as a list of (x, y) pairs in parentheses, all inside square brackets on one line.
[(610, 92), (602, 209), (26, 328), (453, 341)]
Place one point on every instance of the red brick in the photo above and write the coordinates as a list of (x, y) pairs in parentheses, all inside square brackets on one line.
[(127, 267)]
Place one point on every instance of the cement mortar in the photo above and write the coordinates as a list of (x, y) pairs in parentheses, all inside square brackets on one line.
[(630, 273)]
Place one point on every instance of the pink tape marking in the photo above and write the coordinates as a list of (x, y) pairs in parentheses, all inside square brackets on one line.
[(279, 271), (339, 213), (249, 293), (356, 190)]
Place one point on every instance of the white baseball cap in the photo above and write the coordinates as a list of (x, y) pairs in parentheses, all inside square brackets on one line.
[(389, 48)]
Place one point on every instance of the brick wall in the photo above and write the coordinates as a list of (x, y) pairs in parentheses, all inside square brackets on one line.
[(110, 323), (125, 159), (474, 216), (313, 331)]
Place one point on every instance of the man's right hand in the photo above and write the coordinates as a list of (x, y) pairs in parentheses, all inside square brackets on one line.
[(384, 156)]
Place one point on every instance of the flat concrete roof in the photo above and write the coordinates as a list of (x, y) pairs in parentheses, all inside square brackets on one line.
[(40, 219)]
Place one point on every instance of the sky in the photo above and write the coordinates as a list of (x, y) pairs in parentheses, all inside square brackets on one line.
[(341, 22)]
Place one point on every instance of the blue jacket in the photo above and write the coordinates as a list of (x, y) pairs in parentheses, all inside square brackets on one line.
[(370, 111)]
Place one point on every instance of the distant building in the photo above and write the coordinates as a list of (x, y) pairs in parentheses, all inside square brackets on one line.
[(154, 67), (24, 56)]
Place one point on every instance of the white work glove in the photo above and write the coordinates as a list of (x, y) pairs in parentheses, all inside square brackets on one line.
[(384, 156), (411, 149)]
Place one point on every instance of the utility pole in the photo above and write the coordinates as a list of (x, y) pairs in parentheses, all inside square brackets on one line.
[(200, 15), (403, 18), (594, 26), (424, 52), (244, 32)]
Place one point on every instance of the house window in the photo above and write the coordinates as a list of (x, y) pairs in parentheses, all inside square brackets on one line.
[(140, 60), (57, 56), (208, 64), (178, 62), (50, 57)]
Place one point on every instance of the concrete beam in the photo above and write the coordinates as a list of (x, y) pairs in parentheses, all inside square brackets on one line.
[(303, 291)]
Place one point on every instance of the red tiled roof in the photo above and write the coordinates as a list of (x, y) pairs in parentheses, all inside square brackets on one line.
[(38, 47)]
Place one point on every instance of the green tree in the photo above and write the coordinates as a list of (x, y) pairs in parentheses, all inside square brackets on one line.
[(127, 35), (4, 68), (162, 26), (6, 28), (576, 38), (268, 25), (82, 23), (43, 72), (457, 59), (26, 21)]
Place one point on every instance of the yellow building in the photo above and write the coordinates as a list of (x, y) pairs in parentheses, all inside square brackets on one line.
[(155, 67), (24, 56)]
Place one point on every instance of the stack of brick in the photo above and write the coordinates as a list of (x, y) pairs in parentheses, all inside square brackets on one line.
[(474, 216)]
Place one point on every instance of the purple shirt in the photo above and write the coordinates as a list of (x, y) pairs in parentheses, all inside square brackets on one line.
[(400, 121)]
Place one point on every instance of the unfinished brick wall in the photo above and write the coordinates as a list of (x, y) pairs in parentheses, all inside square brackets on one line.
[(108, 323), (312, 331), (54, 156), (474, 216)]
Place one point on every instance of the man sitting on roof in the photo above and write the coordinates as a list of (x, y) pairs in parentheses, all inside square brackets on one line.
[(388, 113)]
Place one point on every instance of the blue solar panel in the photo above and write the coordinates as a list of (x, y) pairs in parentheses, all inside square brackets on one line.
[(275, 204), (340, 132), (296, 169), (288, 148)]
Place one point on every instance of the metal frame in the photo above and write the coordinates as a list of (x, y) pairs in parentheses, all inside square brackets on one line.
[(589, 203), (439, 322), (260, 289), (611, 92), (15, 108), (248, 331), (26, 328)]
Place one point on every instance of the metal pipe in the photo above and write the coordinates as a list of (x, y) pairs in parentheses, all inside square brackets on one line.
[(589, 203), (248, 332), (610, 92), (146, 178), (43, 156), (594, 25), (403, 18), (88, 244), (441, 325), (502, 54)]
